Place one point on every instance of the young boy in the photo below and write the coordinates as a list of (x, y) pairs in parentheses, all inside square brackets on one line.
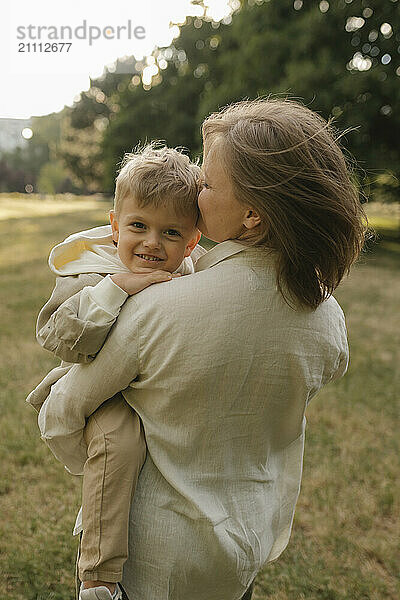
[(152, 238)]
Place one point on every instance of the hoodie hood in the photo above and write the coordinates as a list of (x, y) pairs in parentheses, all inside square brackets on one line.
[(90, 251), (93, 251)]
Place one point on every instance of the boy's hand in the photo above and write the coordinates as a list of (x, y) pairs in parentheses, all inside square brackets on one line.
[(141, 278)]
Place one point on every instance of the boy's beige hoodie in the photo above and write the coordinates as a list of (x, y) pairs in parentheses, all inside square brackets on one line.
[(85, 302)]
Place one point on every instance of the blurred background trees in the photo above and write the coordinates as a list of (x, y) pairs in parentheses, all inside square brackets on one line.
[(342, 58)]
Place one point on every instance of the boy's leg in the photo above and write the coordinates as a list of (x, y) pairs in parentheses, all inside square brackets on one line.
[(116, 452)]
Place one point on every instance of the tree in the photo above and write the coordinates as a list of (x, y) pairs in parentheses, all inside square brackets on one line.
[(168, 109), (53, 179), (340, 57), (331, 55)]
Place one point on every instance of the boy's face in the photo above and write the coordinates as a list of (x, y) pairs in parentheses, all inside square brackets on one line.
[(156, 238)]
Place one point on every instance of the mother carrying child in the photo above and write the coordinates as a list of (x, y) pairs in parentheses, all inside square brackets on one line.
[(220, 365)]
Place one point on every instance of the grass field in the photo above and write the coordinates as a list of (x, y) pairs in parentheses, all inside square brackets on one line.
[(345, 541)]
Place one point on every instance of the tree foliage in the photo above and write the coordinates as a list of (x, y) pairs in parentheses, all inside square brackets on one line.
[(343, 63), (342, 58)]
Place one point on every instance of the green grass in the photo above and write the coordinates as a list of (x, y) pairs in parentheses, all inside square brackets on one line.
[(385, 219), (345, 541)]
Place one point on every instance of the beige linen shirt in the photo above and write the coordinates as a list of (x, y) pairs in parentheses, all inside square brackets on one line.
[(75, 321), (220, 370)]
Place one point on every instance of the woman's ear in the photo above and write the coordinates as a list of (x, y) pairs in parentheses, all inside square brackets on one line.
[(114, 226), (193, 242), (252, 219)]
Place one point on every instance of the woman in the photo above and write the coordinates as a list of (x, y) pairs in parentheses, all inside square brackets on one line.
[(220, 365)]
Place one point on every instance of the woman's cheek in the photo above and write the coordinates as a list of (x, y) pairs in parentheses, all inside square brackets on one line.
[(202, 201)]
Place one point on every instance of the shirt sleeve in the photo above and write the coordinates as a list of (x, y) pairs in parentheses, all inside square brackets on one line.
[(197, 252), (76, 320), (84, 388)]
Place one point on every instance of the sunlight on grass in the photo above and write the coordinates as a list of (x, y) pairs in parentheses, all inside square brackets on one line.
[(34, 220), (23, 206), (384, 218), (383, 223)]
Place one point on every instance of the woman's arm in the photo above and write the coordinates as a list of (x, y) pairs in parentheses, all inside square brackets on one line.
[(77, 318)]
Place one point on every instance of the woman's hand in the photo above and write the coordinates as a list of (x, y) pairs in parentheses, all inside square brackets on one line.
[(141, 278)]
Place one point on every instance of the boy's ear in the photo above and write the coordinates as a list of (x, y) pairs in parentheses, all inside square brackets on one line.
[(193, 242), (114, 226)]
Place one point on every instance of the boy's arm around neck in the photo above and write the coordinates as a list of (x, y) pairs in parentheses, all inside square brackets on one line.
[(77, 318)]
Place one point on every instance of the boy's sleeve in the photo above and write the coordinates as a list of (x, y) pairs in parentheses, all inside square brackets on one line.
[(76, 320), (197, 252), (84, 388)]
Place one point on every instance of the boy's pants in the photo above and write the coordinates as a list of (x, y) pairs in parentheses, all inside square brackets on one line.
[(116, 453)]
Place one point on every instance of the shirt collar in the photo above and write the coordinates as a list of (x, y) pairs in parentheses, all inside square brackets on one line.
[(224, 250)]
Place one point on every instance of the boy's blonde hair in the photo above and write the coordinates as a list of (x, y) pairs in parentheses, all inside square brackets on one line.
[(284, 161), (156, 175)]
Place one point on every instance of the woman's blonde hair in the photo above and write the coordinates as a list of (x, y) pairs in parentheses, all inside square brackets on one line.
[(156, 175), (285, 162)]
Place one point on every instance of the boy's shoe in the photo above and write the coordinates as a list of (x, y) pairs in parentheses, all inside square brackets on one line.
[(100, 593)]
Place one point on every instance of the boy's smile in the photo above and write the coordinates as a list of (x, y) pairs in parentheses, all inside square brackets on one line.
[(149, 257), (153, 237)]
